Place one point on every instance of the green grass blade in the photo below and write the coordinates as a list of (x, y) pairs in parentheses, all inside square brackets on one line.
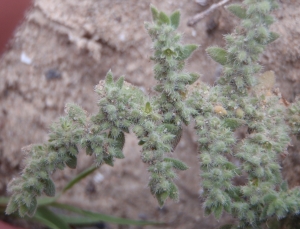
[(78, 178), (88, 216), (4, 201), (50, 219)]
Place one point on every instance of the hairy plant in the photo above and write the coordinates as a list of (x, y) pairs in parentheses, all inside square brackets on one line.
[(241, 97)]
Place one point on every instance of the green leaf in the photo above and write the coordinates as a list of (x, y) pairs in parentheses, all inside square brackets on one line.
[(273, 37), (141, 142), (284, 186), (194, 78), (186, 51), (119, 154), (159, 88), (175, 19), (217, 54), (233, 123), (12, 206), (173, 192), (154, 12), (163, 18), (148, 108), (50, 219), (237, 10), (79, 177), (177, 164), (32, 208), (120, 141), (176, 140), (218, 211), (161, 198), (88, 216), (109, 161), (23, 209), (120, 82), (49, 188), (46, 200), (109, 78), (72, 161)]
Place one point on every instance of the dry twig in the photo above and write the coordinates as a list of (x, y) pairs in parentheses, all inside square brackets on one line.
[(201, 15)]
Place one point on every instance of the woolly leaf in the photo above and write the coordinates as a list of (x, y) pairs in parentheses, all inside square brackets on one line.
[(72, 161), (154, 12), (273, 37), (186, 51), (120, 141), (163, 18), (284, 186), (120, 82), (32, 208), (89, 149), (233, 123), (159, 88), (175, 19), (119, 154), (218, 211), (11, 207), (23, 210), (173, 192), (109, 78), (194, 78), (161, 198), (148, 108), (207, 211), (269, 198), (73, 150), (49, 188), (141, 142), (237, 10), (177, 164), (176, 140), (109, 161), (217, 54)]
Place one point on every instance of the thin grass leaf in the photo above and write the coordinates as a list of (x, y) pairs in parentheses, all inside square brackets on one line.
[(50, 219), (88, 215), (79, 177)]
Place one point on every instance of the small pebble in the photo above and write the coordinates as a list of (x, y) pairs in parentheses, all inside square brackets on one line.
[(98, 178), (52, 74), (25, 59)]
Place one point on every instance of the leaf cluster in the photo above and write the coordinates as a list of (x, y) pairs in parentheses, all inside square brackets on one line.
[(241, 98)]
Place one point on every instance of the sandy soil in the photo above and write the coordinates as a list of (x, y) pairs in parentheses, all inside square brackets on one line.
[(71, 45)]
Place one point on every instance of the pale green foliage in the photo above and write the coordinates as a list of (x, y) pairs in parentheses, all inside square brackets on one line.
[(157, 123), (218, 112), (235, 102), (293, 118)]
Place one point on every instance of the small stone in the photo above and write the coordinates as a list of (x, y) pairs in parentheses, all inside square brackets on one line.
[(98, 178), (25, 59), (52, 74)]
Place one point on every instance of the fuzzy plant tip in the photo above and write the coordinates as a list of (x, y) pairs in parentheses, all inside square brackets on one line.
[(239, 99)]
